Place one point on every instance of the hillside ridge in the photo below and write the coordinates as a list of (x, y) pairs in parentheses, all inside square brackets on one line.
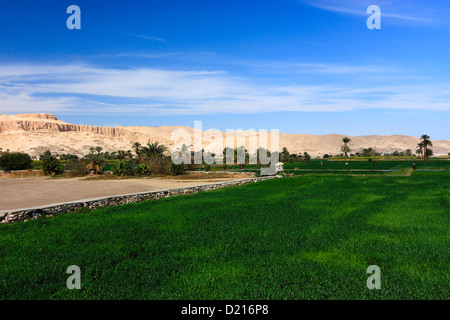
[(36, 132)]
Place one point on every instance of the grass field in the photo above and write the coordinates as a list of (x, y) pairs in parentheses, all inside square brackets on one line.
[(352, 166), (309, 237), (377, 165)]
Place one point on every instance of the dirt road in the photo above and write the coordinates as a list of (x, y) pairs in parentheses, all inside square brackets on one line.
[(17, 193)]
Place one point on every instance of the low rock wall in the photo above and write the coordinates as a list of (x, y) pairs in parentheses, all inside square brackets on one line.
[(10, 216)]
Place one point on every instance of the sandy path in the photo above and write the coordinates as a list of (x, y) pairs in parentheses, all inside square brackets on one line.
[(25, 193)]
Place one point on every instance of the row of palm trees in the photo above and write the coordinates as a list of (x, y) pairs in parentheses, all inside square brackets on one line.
[(151, 150), (423, 147), (155, 149)]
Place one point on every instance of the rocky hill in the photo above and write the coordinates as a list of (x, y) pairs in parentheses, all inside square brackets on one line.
[(35, 133)]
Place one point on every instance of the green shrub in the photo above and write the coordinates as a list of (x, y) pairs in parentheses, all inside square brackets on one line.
[(142, 170), (68, 157), (177, 169), (124, 168), (49, 164), (15, 161), (118, 168), (161, 165), (129, 168), (77, 167)]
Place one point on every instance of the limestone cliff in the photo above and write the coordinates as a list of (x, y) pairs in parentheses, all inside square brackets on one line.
[(35, 133)]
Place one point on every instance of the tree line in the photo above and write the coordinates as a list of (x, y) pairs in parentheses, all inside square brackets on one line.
[(152, 158), (423, 150)]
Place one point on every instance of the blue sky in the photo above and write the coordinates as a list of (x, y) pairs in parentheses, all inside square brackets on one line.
[(299, 66)]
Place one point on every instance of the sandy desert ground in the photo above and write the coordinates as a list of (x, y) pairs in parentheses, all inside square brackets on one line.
[(17, 193)]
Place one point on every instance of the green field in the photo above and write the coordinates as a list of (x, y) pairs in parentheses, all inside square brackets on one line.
[(356, 167), (307, 237), (372, 165)]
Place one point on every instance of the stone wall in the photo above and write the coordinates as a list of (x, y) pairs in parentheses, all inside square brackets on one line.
[(33, 213)]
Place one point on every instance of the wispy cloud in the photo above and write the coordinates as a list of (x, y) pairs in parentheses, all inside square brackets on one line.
[(146, 37), (325, 68), (87, 89), (413, 11), (144, 55)]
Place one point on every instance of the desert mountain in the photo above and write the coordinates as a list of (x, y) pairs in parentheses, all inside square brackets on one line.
[(35, 133)]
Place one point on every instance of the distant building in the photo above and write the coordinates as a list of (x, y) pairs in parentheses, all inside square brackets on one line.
[(279, 167)]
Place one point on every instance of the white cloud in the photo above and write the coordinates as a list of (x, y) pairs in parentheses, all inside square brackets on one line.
[(84, 89)]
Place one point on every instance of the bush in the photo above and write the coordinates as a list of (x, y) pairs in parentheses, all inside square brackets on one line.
[(15, 161), (118, 168), (77, 168), (68, 157), (177, 169), (160, 165), (191, 167), (142, 170), (49, 164), (129, 168), (124, 168)]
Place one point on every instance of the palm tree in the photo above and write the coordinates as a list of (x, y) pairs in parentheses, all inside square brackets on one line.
[(345, 148), (137, 148), (95, 162), (368, 152), (425, 143), (420, 148), (121, 154), (284, 155), (154, 150)]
